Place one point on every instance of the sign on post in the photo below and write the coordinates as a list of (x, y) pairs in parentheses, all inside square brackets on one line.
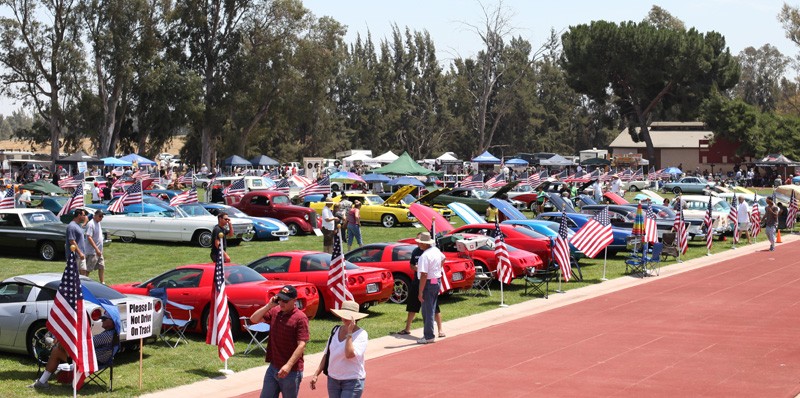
[(140, 320), (82, 166)]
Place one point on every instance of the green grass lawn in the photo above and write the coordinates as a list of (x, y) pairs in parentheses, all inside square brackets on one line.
[(165, 367)]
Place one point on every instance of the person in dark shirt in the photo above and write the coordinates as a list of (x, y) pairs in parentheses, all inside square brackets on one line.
[(216, 194), (413, 304), (220, 245)]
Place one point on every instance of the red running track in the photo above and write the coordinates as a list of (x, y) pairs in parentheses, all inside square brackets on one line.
[(726, 330)]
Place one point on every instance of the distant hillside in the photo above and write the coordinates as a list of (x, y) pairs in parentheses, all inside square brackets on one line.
[(14, 145)]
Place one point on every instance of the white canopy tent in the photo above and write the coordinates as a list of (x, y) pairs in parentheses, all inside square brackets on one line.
[(386, 158), (448, 157)]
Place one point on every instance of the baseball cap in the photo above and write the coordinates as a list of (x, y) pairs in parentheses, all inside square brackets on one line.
[(287, 293)]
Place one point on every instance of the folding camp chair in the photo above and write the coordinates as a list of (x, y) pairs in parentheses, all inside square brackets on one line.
[(483, 281), (253, 331), (646, 263), (539, 279), (670, 245), (172, 324), (105, 353)]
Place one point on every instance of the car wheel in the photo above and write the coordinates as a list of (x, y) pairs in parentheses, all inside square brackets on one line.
[(364, 307), (205, 185), (534, 206), (126, 239), (402, 286), (677, 190), (248, 237), (294, 229), (39, 342), (321, 309), (388, 220), (47, 250), (633, 188), (204, 239)]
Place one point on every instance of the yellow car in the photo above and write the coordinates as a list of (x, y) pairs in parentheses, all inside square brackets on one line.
[(373, 210), (402, 199)]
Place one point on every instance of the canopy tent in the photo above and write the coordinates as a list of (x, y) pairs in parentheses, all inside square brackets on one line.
[(140, 160), (673, 170), (596, 162), (372, 178), (386, 158), (556, 160), (42, 186), (448, 157), (516, 162), (486, 158), (114, 162), (405, 166), (403, 181), (236, 161), (80, 156), (356, 157), (346, 177), (776, 159), (264, 160)]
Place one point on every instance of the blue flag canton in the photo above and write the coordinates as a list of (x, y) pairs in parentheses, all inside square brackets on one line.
[(70, 282), (562, 229)]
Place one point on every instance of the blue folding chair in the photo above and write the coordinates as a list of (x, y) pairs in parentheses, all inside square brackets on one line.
[(170, 323)]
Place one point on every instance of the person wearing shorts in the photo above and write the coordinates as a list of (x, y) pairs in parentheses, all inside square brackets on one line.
[(94, 247), (743, 218), (412, 302), (75, 238)]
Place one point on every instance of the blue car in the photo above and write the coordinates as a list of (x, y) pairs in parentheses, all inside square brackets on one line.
[(549, 229), (163, 194), (265, 228), (576, 220), (151, 205)]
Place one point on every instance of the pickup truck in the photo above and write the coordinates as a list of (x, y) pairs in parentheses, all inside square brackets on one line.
[(275, 204)]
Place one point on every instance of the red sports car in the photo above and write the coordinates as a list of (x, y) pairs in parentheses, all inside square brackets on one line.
[(483, 255), (519, 237), (368, 285), (395, 257), (247, 291)]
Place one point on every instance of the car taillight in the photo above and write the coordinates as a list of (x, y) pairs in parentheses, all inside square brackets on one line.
[(309, 291), (351, 281), (446, 268), (360, 279), (96, 314), (158, 305)]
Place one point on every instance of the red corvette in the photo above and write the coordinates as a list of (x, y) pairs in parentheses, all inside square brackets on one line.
[(519, 237), (369, 286), (395, 257), (247, 291)]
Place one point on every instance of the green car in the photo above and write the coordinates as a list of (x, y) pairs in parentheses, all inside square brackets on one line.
[(476, 199)]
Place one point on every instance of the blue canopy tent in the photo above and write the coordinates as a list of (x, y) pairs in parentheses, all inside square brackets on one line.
[(140, 160), (517, 162), (486, 158), (372, 178), (236, 161), (402, 181), (673, 170), (264, 160), (114, 162)]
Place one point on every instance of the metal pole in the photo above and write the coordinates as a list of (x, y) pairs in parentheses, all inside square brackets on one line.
[(605, 260)]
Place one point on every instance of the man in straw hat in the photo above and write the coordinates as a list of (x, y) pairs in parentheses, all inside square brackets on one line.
[(287, 343), (429, 271), (344, 354)]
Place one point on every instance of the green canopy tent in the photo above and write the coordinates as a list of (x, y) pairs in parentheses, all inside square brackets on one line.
[(405, 166), (42, 186)]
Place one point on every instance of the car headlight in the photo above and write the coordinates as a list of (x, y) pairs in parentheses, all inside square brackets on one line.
[(306, 216)]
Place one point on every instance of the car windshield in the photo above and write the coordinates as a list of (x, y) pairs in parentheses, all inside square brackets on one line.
[(232, 211), (484, 194), (320, 262), (722, 206), (529, 232), (237, 274), (280, 200), (407, 200), (194, 210), (41, 217), (374, 200)]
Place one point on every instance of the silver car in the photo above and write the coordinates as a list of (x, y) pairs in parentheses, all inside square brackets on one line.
[(25, 303)]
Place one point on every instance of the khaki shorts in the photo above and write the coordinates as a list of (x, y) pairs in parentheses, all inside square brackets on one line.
[(744, 226), (82, 265), (94, 262)]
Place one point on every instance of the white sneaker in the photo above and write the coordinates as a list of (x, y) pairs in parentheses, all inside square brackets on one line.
[(38, 384), (425, 341)]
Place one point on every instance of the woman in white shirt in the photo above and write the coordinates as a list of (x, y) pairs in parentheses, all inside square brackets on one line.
[(344, 355)]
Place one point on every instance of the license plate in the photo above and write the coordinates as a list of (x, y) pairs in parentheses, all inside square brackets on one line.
[(457, 276), (372, 288)]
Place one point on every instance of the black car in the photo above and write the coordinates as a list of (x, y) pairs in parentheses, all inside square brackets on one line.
[(32, 230)]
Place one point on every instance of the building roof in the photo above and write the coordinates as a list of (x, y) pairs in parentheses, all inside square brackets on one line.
[(667, 135)]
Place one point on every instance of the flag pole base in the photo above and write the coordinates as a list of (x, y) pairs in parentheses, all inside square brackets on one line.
[(603, 279), (560, 291), (226, 372), (503, 305)]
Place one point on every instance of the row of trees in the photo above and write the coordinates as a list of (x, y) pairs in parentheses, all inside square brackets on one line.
[(267, 76)]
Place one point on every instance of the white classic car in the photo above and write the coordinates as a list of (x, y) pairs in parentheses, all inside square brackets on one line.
[(695, 206), (184, 223)]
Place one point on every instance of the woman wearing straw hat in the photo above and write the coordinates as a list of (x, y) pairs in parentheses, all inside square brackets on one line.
[(344, 355)]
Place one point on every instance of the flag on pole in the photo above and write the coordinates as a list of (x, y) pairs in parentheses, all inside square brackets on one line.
[(282, 186), (322, 186), (219, 322), (708, 221), (7, 200), (188, 178), (791, 215), (755, 218), (505, 274), (237, 187), (561, 249), (70, 324), (681, 229), (337, 276), (653, 174), (733, 217), (595, 235), (133, 195), (185, 197), (74, 202), (473, 181), (650, 225), (638, 175), (140, 174), (118, 205), (496, 181)]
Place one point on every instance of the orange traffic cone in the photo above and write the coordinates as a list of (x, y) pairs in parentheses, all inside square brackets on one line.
[(778, 237)]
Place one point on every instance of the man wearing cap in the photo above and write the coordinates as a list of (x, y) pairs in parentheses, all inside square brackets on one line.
[(615, 184), (429, 271), (94, 250), (287, 342), (96, 197), (328, 227), (104, 343)]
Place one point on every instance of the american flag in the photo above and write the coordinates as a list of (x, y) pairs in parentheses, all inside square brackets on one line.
[(7, 200), (709, 223), (562, 175), (606, 177), (118, 205), (444, 283), (300, 181), (219, 322), (74, 202), (140, 174), (733, 217), (274, 174), (680, 228), (791, 215), (133, 195), (70, 324), (188, 178), (650, 225), (282, 186), (653, 174), (322, 186), (664, 174), (536, 178), (626, 175), (184, 197), (337, 276), (71, 181), (505, 274), (496, 181), (595, 235), (638, 175), (561, 249), (755, 218), (473, 181), (237, 187)]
